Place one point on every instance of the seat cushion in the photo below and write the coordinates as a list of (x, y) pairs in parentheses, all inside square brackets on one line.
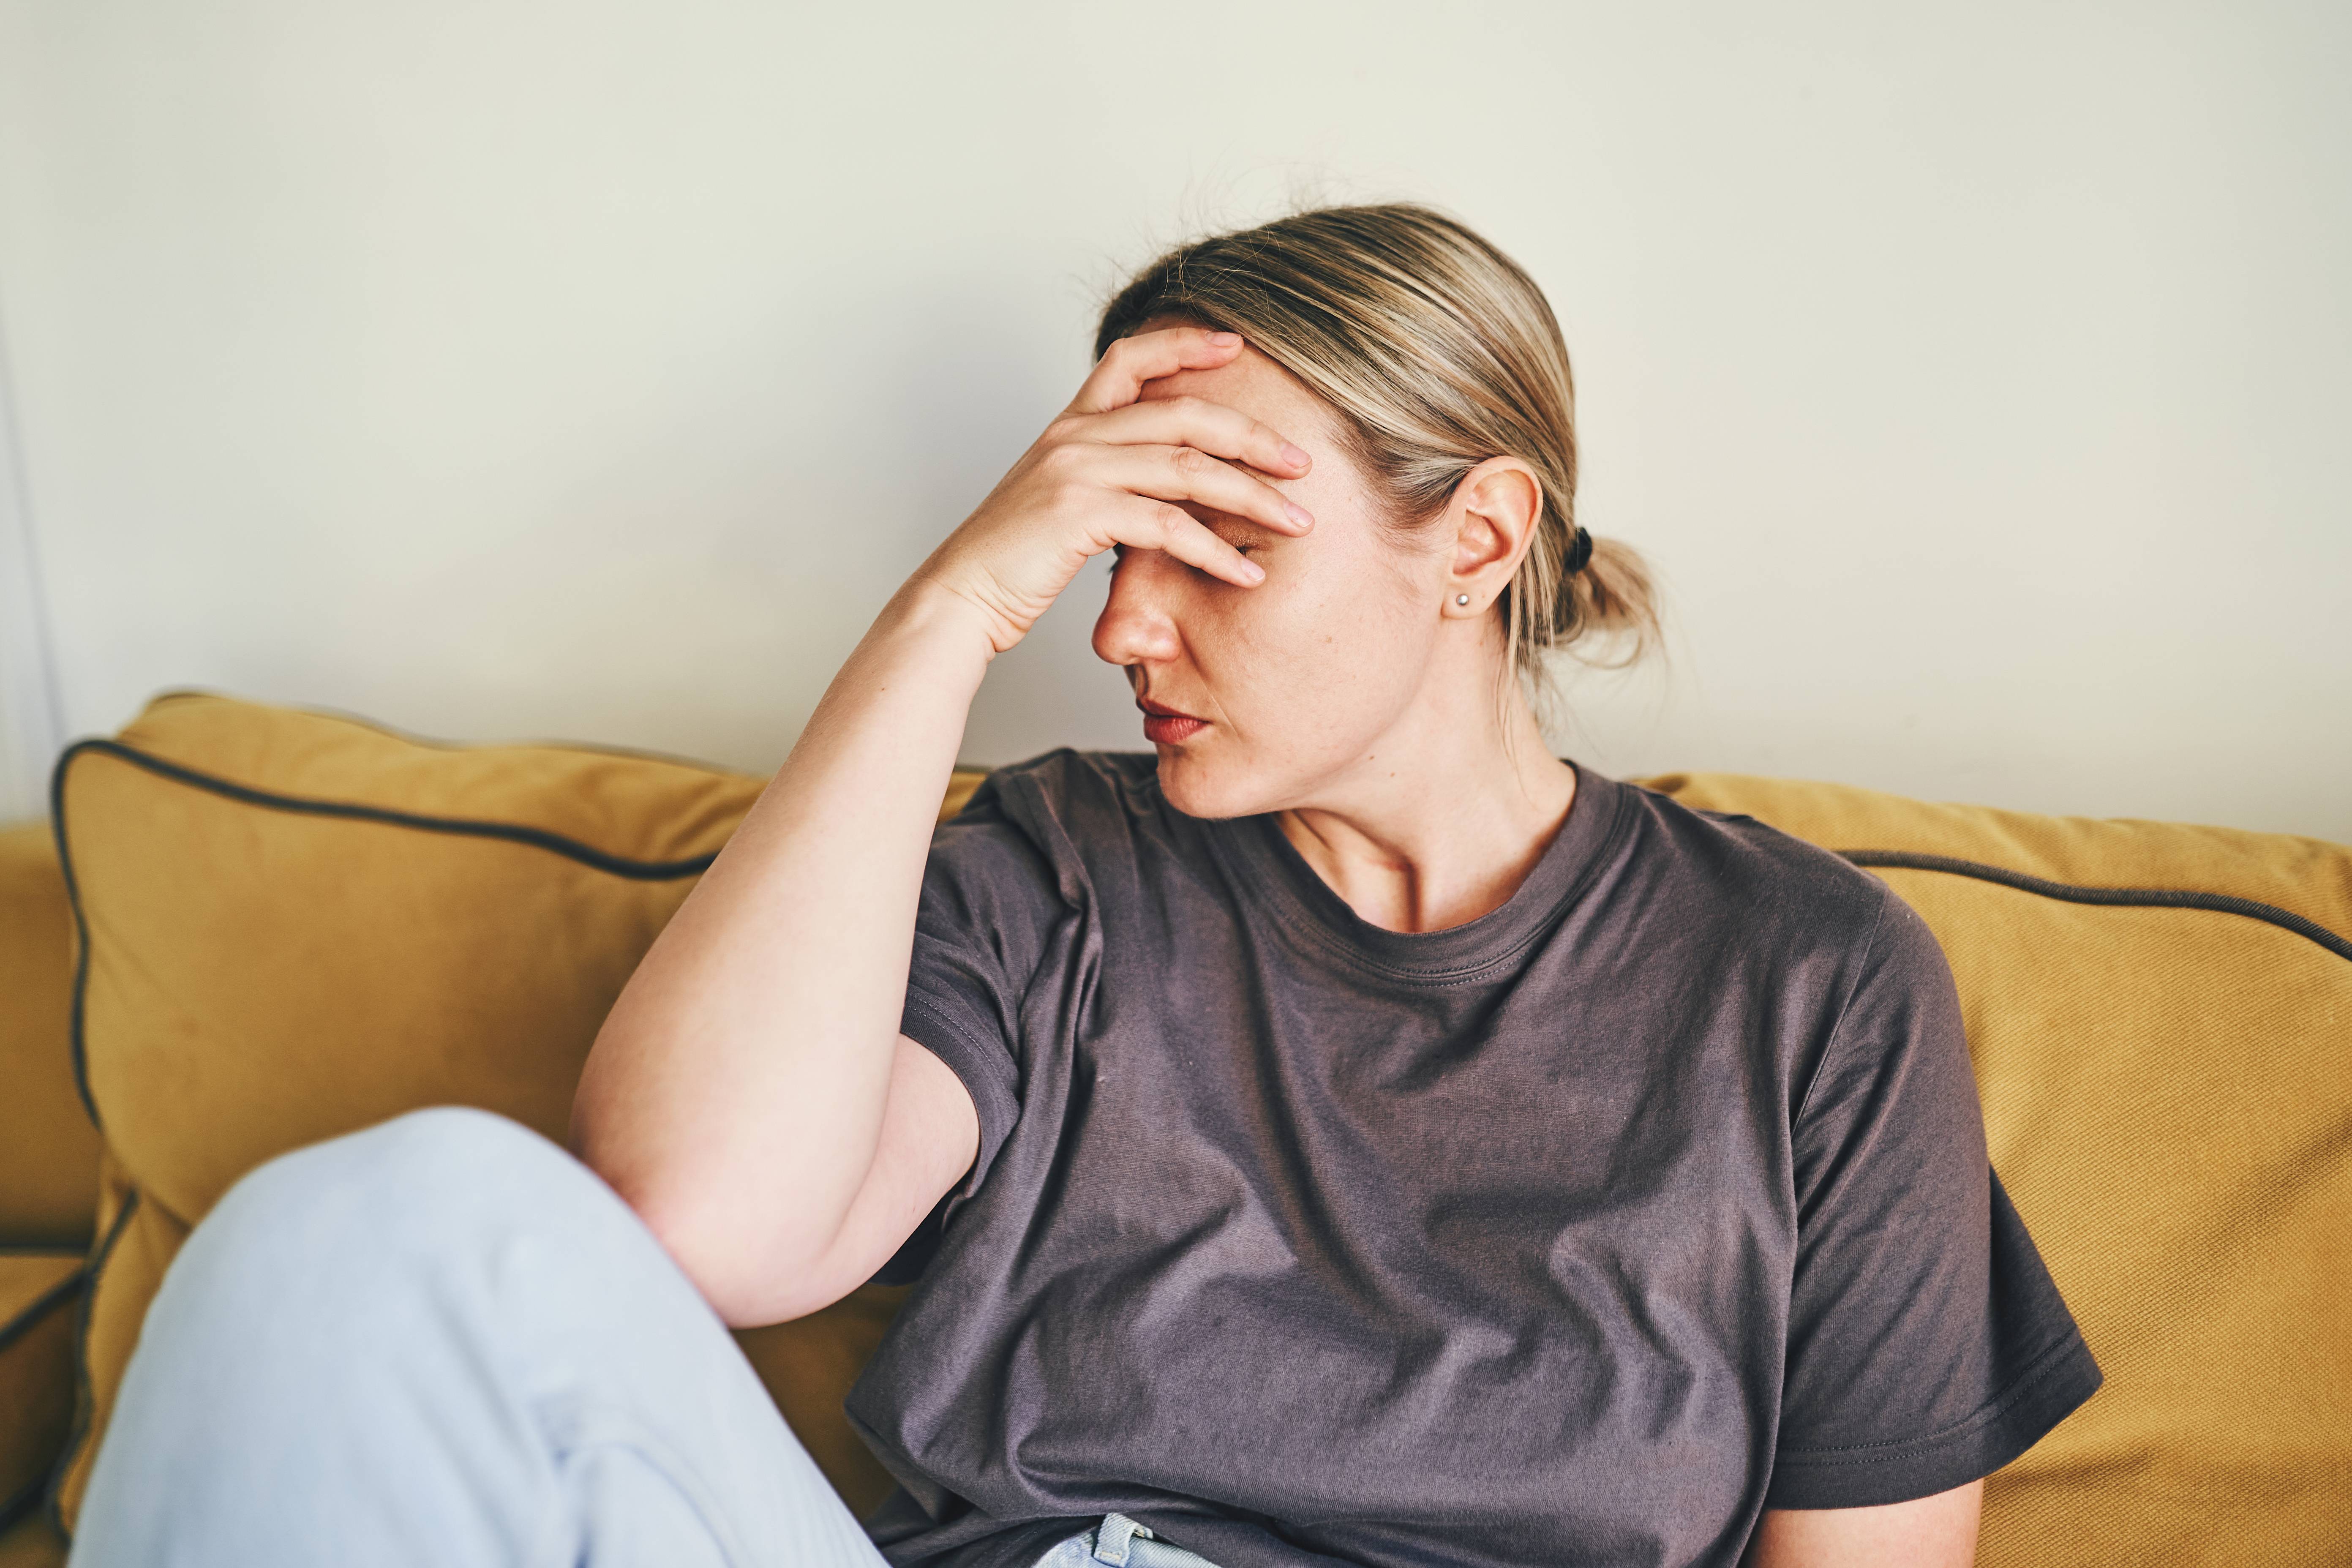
[(298, 925), (2160, 1017)]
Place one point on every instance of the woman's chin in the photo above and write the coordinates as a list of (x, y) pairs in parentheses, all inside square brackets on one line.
[(1201, 785)]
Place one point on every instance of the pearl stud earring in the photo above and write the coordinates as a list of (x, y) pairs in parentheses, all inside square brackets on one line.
[(1461, 598)]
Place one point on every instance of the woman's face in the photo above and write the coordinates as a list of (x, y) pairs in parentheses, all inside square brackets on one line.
[(1273, 697)]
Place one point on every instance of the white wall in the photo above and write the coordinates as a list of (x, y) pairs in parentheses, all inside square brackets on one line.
[(1976, 375), (31, 727)]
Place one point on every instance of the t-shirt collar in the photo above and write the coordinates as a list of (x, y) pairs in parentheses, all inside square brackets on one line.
[(1269, 869)]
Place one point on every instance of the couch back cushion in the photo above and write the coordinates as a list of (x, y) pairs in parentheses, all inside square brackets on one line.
[(298, 925), (49, 1150), (2161, 1022), (295, 925)]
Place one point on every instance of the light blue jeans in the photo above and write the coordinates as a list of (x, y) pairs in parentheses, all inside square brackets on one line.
[(444, 1340)]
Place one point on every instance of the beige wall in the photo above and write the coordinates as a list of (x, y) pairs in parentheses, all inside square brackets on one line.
[(1976, 375)]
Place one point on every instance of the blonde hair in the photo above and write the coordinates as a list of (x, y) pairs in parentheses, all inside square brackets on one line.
[(1439, 352)]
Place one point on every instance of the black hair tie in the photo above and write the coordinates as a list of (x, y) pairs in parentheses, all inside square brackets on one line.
[(1580, 553)]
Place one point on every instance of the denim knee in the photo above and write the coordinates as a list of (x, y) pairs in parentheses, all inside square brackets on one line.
[(427, 1181)]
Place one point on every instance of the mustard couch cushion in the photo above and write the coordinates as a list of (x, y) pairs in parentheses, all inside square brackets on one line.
[(294, 925), (2160, 1018), (49, 1150)]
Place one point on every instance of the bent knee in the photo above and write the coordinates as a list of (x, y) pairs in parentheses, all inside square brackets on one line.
[(426, 1177), (423, 1147)]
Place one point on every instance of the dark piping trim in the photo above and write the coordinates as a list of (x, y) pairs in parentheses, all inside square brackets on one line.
[(2125, 898), (85, 1398)]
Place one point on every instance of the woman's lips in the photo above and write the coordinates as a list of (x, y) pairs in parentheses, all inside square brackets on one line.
[(1171, 729), (1164, 726)]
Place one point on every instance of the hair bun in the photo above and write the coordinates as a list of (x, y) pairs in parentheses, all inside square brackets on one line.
[(1580, 551)]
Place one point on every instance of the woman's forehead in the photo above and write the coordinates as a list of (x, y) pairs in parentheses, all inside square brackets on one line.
[(1254, 385)]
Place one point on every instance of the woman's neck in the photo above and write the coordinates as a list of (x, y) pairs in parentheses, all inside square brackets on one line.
[(1443, 834)]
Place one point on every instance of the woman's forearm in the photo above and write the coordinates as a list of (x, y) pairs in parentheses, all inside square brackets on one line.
[(735, 1095)]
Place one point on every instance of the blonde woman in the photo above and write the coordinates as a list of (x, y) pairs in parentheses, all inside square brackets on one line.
[(1346, 1134)]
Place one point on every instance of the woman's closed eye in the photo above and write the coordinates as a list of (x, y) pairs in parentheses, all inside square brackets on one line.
[(1242, 536), (1244, 540)]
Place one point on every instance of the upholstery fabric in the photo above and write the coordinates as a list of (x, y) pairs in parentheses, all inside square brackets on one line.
[(296, 925), (49, 1150), (38, 1293), (2167, 1096), (32, 1542)]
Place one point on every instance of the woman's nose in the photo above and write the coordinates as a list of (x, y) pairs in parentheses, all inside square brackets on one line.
[(1135, 625)]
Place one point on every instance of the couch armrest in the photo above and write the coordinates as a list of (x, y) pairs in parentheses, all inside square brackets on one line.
[(38, 1294), (48, 1149)]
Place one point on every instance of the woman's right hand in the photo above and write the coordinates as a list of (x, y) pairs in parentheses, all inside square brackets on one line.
[(1113, 470)]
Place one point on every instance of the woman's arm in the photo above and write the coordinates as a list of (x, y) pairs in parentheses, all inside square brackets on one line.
[(1939, 1531), (749, 1094), (737, 1091)]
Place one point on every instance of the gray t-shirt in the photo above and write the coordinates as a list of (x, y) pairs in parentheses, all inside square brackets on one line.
[(1581, 1233)]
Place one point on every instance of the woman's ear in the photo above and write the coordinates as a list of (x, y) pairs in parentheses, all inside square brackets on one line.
[(1495, 509)]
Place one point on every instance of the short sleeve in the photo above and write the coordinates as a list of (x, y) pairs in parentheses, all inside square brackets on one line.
[(988, 911), (1927, 1344)]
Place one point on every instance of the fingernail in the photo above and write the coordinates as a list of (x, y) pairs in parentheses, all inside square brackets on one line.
[(1253, 571), (1293, 456), (1298, 514), (1224, 340)]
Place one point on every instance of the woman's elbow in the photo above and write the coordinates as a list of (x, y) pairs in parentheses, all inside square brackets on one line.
[(751, 1264), (750, 1255)]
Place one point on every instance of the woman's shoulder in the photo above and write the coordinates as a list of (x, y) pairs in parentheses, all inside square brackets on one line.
[(1066, 773), (1066, 790), (1738, 890), (1058, 813), (1755, 872)]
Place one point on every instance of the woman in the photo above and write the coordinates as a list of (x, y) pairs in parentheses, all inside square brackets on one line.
[(1347, 1135)]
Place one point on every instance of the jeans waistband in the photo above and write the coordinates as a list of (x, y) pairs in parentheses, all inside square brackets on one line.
[(1119, 1543)]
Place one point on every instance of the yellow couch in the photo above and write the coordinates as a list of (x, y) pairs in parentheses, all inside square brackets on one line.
[(268, 927)]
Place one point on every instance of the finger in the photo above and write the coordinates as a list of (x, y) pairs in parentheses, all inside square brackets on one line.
[(1118, 377), (1155, 525), (1189, 474), (1213, 427)]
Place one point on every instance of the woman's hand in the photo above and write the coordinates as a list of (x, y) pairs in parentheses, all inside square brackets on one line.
[(1112, 470)]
